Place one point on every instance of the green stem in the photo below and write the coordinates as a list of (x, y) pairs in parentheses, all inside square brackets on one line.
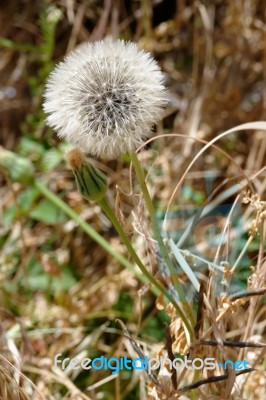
[(156, 289), (111, 215), (157, 234), (98, 238), (87, 228)]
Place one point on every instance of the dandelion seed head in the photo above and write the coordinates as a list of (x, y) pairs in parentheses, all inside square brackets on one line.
[(105, 97)]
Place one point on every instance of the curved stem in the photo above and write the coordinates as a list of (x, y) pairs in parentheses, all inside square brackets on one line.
[(87, 228), (157, 234), (111, 215), (144, 277)]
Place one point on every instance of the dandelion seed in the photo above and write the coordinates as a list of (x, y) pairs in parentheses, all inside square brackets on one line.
[(105, 97)]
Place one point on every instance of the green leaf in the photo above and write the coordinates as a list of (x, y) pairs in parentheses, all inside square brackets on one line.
[(65, 281), (29, 146), (45, 281), (48, 213), (27, 198), (9, 215), (38, 279), (51, 159), (48, 22), (9, 44)]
